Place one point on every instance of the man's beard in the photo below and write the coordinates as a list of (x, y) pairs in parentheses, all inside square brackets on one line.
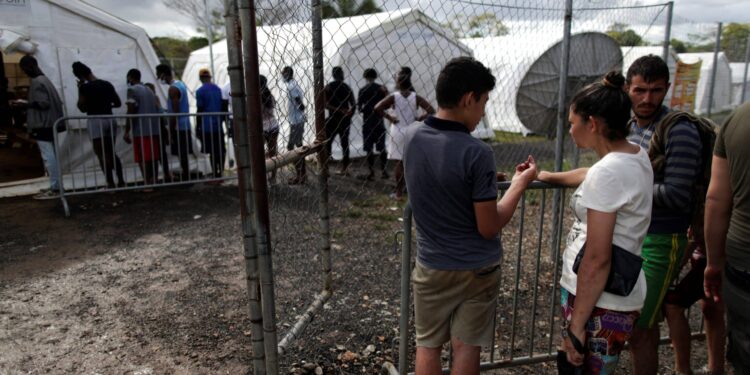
[(651, 113)]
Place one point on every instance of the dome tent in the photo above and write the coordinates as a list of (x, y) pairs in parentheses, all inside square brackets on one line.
[(383, 41), (723, 88), (525, 99)]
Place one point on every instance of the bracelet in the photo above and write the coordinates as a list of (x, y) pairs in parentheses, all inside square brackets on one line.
[(577, 344)]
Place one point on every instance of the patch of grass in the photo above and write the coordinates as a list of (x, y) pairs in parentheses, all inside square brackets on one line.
[(353, 213), (508, 137)]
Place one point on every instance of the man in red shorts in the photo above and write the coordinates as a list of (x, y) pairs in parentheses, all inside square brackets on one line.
[(146, 131)]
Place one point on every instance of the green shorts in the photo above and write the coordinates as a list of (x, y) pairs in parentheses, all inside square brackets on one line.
[(662, 254), (457, 304)]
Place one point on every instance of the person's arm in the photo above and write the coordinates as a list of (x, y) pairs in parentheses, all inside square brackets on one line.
[(352, 103), (592, 276), (681, 168), (383, 105), (492, 215), (571, 178), (174, 98), (81, 104), (716, 225), (426, 106), (132, 109), (39, 98), (116, 103)]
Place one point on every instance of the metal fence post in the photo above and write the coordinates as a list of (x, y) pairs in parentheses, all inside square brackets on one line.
[(242, 155), (259, 186), (667, 32), (561, 115), (717, 48), (403, 326), (744, 76)]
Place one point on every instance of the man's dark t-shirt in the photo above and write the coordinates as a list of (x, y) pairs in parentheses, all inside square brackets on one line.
[(339, 95), (369, 96), (100, 97)]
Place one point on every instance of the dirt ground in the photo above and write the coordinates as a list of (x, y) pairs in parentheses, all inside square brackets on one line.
[(138, 283)]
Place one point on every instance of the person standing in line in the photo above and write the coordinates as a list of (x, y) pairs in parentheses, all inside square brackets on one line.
[(98, 97), (163, 135), (43, 109), (270, 124), (457, 272), (612, 211), (727, 229), (209, 128), (373, 128), (406, 104), (146, 138), (339, 100), (296, 118), (181, 139), (226, 106)]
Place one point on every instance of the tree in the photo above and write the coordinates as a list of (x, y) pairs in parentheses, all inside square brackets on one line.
[(734, 41), (349, 8), (624, 36), (196, 10), (678, 46), (482, 25)]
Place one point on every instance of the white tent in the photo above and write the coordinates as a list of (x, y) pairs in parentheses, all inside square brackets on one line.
[(738, 78), (630, 54), (723, 88), (527, 69), (60, 32), (383, 41)]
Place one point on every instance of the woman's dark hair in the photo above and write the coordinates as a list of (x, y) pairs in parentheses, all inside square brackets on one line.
[(370, 73), (607, 100), (266, 98), (403, 81)]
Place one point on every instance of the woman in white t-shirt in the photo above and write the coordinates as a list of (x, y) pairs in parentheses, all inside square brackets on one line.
[(611, 206), (406, 104)]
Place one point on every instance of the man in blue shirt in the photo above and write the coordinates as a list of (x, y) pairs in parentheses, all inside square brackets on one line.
[(452, 184), (209, 129), (181, 140)]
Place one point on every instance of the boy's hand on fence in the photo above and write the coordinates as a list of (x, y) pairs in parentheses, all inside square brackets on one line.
[(501, 176), (526, 171)]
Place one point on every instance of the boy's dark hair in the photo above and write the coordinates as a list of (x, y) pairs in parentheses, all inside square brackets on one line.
[(605, 99), (134, 74), (289, 70), (28, 61), (460, 76), (650, 67), (163, 69), (370, 73), (338, 73), (80, 69)]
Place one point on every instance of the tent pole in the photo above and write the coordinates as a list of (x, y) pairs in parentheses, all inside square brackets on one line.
[(259, 185), (242, 155), (744, 76), (717, 48), (562, 115), (667, 32)]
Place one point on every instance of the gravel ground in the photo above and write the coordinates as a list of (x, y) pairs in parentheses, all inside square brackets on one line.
[(154, 283)]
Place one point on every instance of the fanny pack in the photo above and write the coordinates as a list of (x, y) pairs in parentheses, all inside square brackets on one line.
[(623, 272)]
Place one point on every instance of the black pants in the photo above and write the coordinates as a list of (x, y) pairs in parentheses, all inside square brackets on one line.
[(339, 125), (104, 148)]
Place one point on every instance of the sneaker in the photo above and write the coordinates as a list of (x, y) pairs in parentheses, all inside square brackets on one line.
[(49, 194)]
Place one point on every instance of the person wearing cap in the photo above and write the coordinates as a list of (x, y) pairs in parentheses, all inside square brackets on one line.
[(209, 128)]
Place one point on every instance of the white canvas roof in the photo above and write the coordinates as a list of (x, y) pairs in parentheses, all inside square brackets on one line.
[(738, 77), (383, 41), (630, 54), (723, 88), (527, 69), (64, 31)]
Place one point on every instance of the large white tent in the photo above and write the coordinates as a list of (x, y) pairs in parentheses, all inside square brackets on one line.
[(738, 80), (630, 54), (723, 88), (383, 41), (527, 69), (60, 32)]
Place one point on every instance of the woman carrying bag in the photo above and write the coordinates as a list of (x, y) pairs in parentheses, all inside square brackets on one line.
[(602, 285)]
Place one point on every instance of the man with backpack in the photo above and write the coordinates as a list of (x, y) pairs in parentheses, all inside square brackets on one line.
[(680, 148)]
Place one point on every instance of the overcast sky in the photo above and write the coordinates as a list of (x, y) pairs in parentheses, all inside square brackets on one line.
[(159, 20)]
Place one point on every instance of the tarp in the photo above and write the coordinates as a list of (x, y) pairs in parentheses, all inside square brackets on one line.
[(630, 54), (383, 41), (738, 77), (723, 88), (64, 31), (527, 69)]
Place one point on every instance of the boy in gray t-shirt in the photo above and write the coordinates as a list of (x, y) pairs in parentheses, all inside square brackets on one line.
[(452, 187)]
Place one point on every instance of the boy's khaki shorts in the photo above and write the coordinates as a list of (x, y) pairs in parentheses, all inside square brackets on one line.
[(457, 304)]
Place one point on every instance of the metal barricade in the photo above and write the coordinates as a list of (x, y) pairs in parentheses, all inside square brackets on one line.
[(109, 153), (530, 339)]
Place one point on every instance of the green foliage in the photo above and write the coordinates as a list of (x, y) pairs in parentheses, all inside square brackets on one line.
[(624, 36), (349, 8), (197, 42), (678, 45), (175, 52), (734, 41), (482, 25)]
